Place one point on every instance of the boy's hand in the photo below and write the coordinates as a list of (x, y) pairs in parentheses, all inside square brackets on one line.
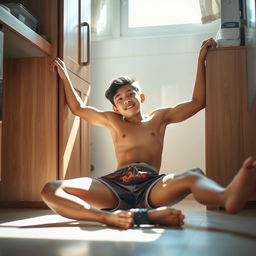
[(57, 65), (210, 43)]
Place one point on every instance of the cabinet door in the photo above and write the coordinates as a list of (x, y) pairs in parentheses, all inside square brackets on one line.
[(74, 153), (74, 147), (30, 127), (75, 39), (230, 122), (226, 110)]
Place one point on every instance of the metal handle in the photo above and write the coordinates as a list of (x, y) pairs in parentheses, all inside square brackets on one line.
[(84, 44)]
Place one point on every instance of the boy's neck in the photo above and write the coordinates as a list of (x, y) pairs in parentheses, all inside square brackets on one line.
[(138, 119)]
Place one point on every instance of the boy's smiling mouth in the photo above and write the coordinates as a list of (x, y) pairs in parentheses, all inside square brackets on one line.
[(129, 107)]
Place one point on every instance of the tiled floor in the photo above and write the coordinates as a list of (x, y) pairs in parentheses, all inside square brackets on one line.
[(41, 232)]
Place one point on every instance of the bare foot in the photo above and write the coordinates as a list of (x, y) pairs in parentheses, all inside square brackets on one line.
[(166, 216), (121, 219), (242, 187)]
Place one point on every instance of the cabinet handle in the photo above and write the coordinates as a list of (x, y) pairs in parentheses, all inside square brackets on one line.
[(84, 44)]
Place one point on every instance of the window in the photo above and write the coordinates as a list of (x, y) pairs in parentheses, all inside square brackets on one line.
[(162, 17), (117, 18), (145, 13)]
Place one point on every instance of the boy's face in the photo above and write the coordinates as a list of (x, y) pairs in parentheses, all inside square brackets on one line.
[(127, 101)]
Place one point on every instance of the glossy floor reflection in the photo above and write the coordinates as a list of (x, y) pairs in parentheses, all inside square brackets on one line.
[(41, 232)]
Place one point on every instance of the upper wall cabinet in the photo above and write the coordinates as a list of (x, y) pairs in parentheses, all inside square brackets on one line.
[(18, 36), (75, 36)]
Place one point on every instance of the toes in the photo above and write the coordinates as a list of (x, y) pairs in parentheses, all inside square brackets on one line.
[(175, 221), (174, 211), (181, 219), (248, 162), (121, 219), (125, 224)]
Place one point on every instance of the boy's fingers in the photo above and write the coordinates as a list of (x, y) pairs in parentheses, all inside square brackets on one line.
[(209, 43), (54, 66)]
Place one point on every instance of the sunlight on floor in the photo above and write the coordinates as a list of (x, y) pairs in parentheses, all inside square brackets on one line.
[(41, 232), (48, 227)]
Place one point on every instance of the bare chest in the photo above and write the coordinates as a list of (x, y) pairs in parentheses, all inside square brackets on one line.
[(146, 133)]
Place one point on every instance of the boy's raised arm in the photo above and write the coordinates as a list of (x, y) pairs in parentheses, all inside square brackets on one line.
[(75, 103), (187, 109), (199, 94)]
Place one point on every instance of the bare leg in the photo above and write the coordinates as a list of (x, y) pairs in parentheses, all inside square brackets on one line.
[(175, 187), (81, 199)]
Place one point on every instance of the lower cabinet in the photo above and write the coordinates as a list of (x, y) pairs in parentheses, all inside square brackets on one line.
[(29, 129), (230, 122), (41, 139)]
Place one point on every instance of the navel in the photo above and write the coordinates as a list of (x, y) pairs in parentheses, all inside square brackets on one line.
[(124, 135), (153, 134)]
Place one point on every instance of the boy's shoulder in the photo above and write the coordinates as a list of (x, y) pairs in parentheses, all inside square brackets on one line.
[(113, 115), (159, 111)]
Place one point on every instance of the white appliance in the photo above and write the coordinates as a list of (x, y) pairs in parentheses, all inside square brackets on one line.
[(229, 33)]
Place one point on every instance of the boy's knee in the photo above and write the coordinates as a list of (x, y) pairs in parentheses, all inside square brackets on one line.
[(49, 189), (196, 171)]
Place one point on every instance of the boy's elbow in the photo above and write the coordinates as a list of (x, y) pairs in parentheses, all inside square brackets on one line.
[(203, 105), (75, 111), (200, 104)]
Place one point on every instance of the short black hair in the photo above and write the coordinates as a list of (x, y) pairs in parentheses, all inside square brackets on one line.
[(117, 83)]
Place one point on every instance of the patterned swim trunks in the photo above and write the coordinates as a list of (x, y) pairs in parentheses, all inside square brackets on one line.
[(131, 185)]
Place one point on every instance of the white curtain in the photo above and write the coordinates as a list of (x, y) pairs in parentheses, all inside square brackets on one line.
[(96, 12), (210, 10)]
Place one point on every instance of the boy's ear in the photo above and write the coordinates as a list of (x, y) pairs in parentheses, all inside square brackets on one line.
[(142, 97), (115, 109)]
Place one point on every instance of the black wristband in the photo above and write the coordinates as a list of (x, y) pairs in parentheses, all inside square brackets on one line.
[(141, 216)]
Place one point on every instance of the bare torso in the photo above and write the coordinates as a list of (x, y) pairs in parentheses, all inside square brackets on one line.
[(138, 144)]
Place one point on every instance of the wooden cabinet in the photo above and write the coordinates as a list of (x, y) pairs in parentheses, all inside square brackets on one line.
[(41, 139), (74, 143), (74, 146), (230, 123), (30, 105), (29, 142), (75, 37)]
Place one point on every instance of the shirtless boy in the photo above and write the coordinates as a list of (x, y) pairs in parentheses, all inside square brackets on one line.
[(138, 140)]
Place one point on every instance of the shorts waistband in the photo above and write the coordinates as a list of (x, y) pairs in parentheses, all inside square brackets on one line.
[(137, 168)]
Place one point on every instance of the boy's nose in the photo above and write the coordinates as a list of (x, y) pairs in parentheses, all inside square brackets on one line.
[(127, 101)]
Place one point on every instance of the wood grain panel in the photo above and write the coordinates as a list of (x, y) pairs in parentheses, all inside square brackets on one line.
[(29, 129), (74, 142), (230, 127), (70, 22)]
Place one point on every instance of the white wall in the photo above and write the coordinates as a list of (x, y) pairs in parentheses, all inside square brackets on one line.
[(166, 70)]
